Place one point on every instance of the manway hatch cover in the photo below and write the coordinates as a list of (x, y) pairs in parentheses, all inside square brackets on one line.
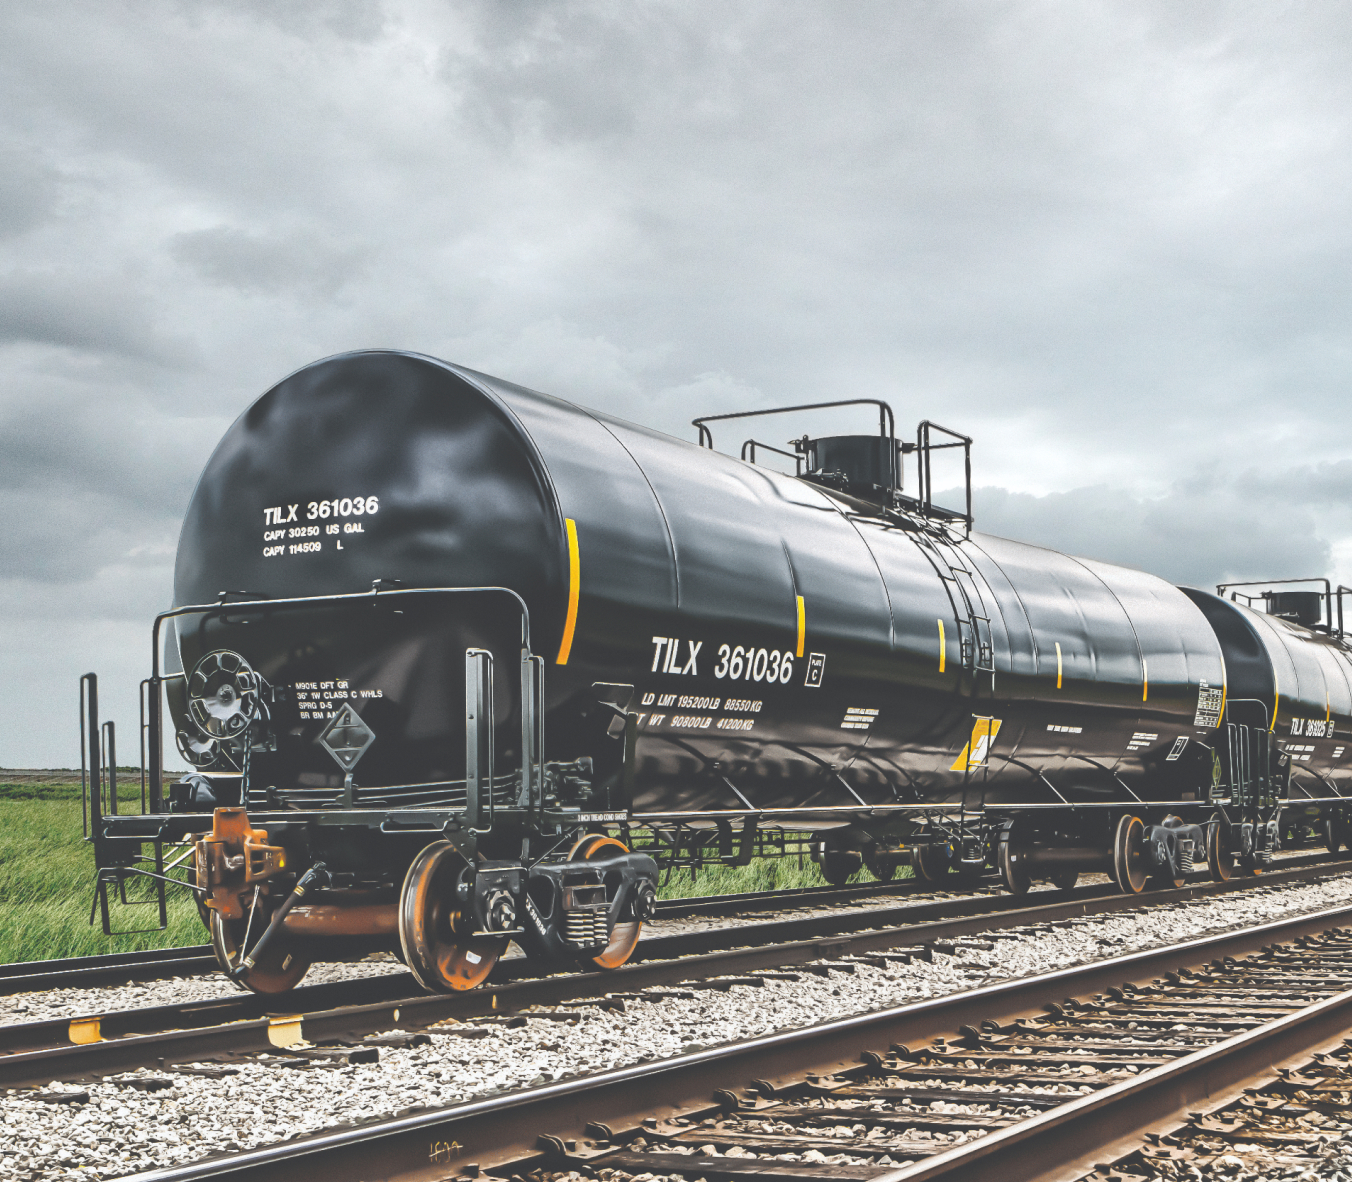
[(346, 737)]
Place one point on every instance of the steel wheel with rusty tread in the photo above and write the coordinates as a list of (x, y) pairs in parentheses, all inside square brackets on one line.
[(1220, 858), (278, 971), (439, 949), (625, 936), (1128, 867)]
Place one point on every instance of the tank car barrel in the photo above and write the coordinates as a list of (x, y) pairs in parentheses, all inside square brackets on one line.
[(735, 661)]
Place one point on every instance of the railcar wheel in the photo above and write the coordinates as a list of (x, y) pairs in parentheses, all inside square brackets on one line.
[(839, 866), (1016, 878), (438, 948), (883, 867), (1064, 879), (282, 965), (930, 863), (1335, 836), (624, 937), (1128, 855), (1220, 859)]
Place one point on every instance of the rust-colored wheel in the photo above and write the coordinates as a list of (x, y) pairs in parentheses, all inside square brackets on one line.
[(625, 936), (438, 948), (1128, 855), (282, 965), (1220, 858)]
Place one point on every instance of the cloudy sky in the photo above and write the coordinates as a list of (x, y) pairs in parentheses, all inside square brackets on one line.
[(1110, 240)]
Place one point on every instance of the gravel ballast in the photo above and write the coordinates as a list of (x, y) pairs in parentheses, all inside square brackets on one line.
[(121, 1129), (76, 1002)]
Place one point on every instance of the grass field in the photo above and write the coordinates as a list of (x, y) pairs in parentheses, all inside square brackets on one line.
[(47, 881), (47, 884)]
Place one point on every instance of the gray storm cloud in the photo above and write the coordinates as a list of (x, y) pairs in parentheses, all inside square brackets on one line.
[(1111, 241)]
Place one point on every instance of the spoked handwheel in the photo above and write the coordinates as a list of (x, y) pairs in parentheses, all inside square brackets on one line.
[(624, 937), (1220, 858), (1129, 868), (439, 948), (280, 968)]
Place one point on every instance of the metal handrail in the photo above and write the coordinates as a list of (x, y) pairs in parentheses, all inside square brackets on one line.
[(379, 588), (749, 454), (924, 446), (887, 427), (1222, 588)]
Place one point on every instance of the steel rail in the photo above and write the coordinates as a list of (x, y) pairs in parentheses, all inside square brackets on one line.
[(116, 968), (399, 986), (1068, 1141), (130, 1039), (198, 959), (159, 963), (511, 1128)]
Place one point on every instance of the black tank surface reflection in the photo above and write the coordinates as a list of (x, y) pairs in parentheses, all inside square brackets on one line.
[(574, 646)]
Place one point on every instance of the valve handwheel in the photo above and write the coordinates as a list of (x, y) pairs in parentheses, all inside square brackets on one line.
[(223, 695)]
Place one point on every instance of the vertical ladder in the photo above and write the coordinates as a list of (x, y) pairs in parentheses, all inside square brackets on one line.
[(963, 585)]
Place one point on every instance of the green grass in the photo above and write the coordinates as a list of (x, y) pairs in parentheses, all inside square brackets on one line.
[(764, 874), (47, 881), (47, 884)]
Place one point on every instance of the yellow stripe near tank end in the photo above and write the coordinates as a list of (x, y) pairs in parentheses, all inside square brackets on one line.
[(943, 648), (1276, 701), (802, 625), (1058, 664), (1145, 680), (574, 588)]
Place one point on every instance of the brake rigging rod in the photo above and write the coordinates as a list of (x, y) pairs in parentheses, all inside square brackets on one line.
[(316, 876)]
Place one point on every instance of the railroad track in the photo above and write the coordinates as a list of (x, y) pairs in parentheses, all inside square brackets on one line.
[(95, 1044), (157, 964), (1038, 1078)]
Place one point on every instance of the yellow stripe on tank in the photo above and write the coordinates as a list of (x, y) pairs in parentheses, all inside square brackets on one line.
[(1058, 664), (1145, 680), (574, 588), (943, 647), (1276, 701), (802, 625)]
